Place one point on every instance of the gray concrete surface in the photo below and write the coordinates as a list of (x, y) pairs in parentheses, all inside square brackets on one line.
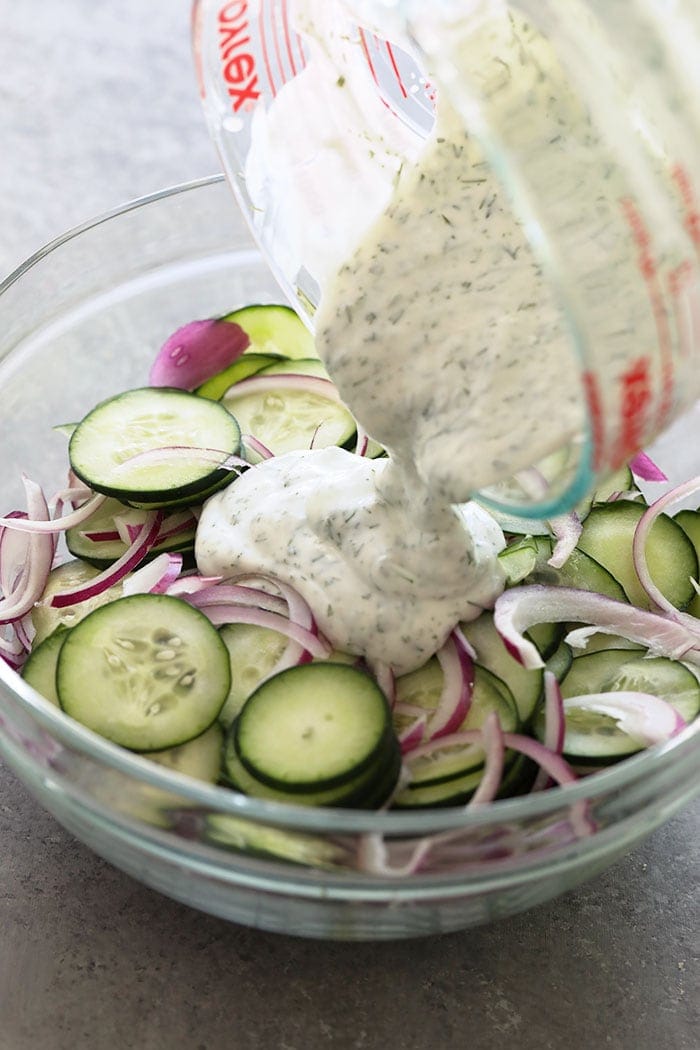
[(97, 104)]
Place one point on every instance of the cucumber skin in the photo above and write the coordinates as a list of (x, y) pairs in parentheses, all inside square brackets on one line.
[(152, 499), (139, 742), (382, 751)]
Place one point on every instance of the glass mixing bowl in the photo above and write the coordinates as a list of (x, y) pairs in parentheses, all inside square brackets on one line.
[(79, 321)]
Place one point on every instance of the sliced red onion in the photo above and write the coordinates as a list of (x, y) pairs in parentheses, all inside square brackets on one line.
[(13, 649), (257, 446), (644, 467), (131, 557), (258, 384), (494, 750), (101, 537), (554, 725), (77, 493), (567, 529), (554, 765), (196, 352), (412, 736), (385, 680), (228, 613), (38, 559), (236, 594), (298, 608), (215, 457), (24, 631), (466, 738), (643, 716), (455, 698), (463, 642), (373, 856), (518, 609), (362, 441), (42, 525), (13, 554), (187, 585), (641, 534), (155, 577)]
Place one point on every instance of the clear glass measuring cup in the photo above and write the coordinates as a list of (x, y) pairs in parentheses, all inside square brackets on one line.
[(584, 123)]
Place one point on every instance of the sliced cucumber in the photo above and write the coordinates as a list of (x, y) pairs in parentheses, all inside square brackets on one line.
[(615, 669), (314, 727), (148, 672), (595, 737), (46, 619), (253, 653), (146, 419), (104, 552), (422, 689), (40, 666), (607, 537), (600, 642), (199, 758), (529, 560), (245, 366), (525, 686), (275, 329), (245, 836), (453, 792), (560, 661), (286, 420), (546, 637), (367, 790)]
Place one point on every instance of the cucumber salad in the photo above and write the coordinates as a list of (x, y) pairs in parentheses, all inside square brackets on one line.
[(580, 645)]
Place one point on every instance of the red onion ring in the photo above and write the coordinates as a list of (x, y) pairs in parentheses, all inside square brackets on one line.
[(43, 525), (257, 384), (455, 698), (257, 446), (554, 725), (494, 750), (518, 609), (131, 557), (644, 467), (641, 534), (643, 716), (39, 553), (155, 577), (228, 613)]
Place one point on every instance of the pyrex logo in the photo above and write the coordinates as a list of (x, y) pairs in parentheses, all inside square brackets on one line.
[(237, 59)]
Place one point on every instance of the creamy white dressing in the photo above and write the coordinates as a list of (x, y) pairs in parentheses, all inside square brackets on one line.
[(444, 341), (387, 576)]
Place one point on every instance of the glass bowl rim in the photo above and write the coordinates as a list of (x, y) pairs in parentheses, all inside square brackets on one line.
[(72, 734)]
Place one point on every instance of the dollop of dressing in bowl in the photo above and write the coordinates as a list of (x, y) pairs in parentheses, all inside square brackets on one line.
[(387, 569)]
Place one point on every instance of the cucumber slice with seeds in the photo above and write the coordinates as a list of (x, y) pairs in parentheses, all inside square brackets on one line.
[(148, 672), (594, 737), (286, 420), (253, 653), (46, 618), (152, 418)]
